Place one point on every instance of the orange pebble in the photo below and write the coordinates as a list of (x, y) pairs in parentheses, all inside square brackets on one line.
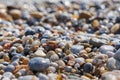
[(7, 46)]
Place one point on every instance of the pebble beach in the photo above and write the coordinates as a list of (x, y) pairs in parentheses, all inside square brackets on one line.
[(59, 40)]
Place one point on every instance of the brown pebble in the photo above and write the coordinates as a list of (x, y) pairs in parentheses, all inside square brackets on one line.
[(6, 57), (36, 14), (115, 28), (85, 14), (1, 48), (15, 13), (20, 49), (71, 62), (52, 44), (5, 16), (95, 24), (24, 60), (88, 49), (89, 60), (1, 71)]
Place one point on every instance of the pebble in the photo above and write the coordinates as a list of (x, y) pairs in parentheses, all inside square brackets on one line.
[(9, 68), (95, 24), (51, 69), (39, 53), (36, 14), (54, 57), (42, 76), (15, 13), (75, 49), (115, 28), (105, 48), (39, 64), (97, 42), (8, 75), (85, 14), (52, 76), (88, 67), (100, 59)]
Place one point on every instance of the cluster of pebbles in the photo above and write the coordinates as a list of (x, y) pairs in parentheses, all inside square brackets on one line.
[(60, 41)]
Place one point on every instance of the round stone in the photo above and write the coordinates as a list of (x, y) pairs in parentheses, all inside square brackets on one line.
[(88, 67), (39, 64)]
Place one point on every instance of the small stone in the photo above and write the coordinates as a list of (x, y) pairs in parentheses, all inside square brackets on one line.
[(39, 53), (9, 68), (80, 60), (105, 48), (29, 32), (35, 45), (36, 14), (68, 68), (54, 57), (111, 63), (1, 48), (115, 28), (76, 49), (8, 75), (97, 42), (85, 14), (71, 62), (88, 67), (20, 49), (51, 69), (6, 57), (42, 76), (58, 50), (52, 76), (100, 59), (15, 13), (61, 64), (39, 64), (24, 60), (95, 24)]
